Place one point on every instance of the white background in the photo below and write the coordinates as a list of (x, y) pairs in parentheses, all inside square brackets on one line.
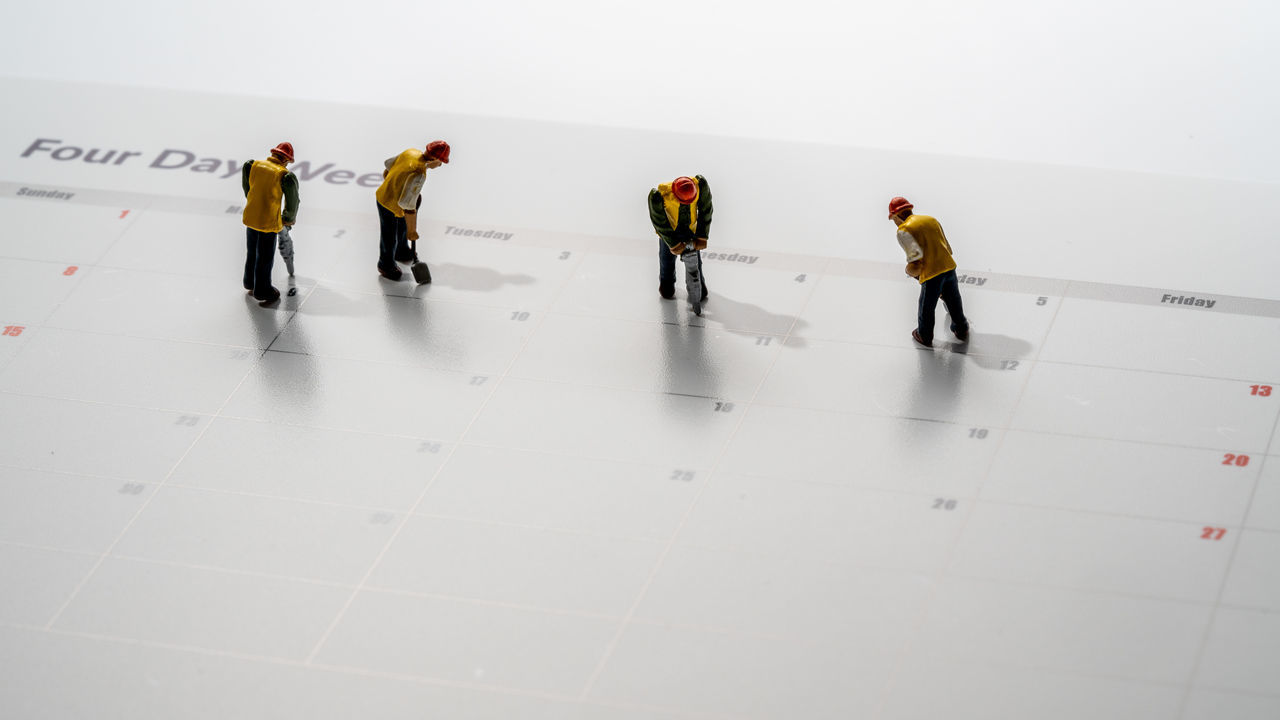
[(1170, 87), (519, 492), (1126, 143)]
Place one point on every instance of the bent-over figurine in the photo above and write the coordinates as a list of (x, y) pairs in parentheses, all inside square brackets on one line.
[(929, 260), (399, 197), (681, 215)]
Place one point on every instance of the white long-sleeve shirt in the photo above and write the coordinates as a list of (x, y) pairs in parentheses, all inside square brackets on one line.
[(910, 246), (409, 198)]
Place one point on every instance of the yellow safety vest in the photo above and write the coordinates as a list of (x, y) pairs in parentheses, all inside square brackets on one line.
[(262, 205), (672, 206), (406, 165), (933, 242)]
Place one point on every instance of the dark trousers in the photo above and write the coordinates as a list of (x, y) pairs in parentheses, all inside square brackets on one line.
[(667, 268), (940, 286), (394, 238), (259, 257)]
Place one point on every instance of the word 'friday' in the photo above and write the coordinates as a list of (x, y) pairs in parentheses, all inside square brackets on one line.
[(1188, 300)]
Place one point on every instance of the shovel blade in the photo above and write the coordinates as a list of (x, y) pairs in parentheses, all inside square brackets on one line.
[(421, 273)]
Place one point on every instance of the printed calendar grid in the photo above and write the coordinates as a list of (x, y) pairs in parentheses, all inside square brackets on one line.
[(709, 473)]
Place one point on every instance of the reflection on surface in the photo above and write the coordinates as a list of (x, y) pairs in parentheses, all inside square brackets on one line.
[(687, 367)]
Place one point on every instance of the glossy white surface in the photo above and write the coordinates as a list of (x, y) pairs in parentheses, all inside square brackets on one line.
[(535, 489)]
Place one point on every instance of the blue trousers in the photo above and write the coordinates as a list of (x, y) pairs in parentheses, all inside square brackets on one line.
[(667, 268), (259, 258), (393, 238), (942, 286)]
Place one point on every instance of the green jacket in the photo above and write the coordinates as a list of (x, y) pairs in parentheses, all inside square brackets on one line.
[(690, 221)]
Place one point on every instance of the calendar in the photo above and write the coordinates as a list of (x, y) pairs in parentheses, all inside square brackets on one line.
[(535, 489)]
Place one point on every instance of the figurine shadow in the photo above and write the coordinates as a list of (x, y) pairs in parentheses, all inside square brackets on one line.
[(989, 351), (403, 288), (738, 317), (475, 279)]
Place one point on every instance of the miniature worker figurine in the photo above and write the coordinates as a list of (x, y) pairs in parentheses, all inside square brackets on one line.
[(929, 261), (681, 214), (399, 197), (266, 184)]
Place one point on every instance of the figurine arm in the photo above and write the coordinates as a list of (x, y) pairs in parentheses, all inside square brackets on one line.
[(410, 201), (412, 189), (915, 256), (658, 216), (705, 209), (910, 246), (244, 176), (410, 225), (289, 185)]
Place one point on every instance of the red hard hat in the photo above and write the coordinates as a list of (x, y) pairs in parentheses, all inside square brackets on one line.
[(685, 189), (439, 150), (899, 204), (284, 150)]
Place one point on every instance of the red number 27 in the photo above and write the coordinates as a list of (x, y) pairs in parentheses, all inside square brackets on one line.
[(1212, 533)]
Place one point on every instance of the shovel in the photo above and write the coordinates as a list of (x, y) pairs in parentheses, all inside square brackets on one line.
[(421, 273)]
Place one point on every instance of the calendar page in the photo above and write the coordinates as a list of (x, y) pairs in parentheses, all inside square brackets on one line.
[(535, 488)]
